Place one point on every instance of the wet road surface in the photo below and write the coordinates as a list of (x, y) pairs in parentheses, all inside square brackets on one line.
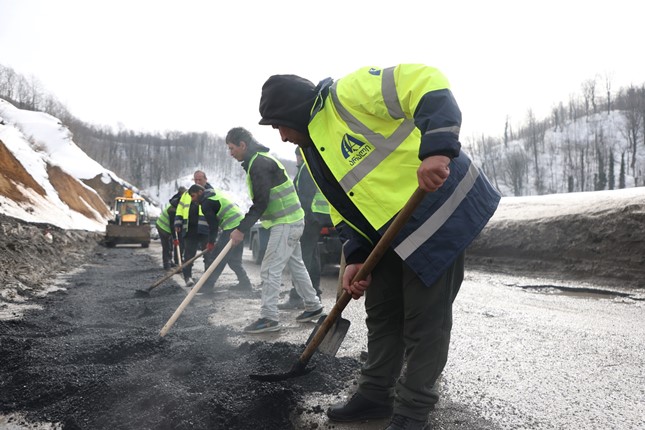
[(523, 355)]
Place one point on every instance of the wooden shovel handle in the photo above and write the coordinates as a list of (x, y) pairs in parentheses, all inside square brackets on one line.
[(196, 288), (175, 270), (370, 263)]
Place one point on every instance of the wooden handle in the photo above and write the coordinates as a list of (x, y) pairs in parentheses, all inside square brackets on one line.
[(196, 288), (175, 270), (370, 263)]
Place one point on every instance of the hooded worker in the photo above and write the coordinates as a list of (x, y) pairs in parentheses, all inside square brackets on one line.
[(371, 140)]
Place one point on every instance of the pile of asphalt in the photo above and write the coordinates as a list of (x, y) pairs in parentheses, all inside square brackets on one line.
[(92, 358)]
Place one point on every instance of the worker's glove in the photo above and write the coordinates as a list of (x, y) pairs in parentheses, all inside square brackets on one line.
[(210, 246), (175, 242)]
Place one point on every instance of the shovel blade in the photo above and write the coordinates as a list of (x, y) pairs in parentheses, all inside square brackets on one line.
[(334, 337)]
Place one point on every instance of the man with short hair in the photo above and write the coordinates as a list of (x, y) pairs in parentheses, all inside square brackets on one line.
[(221, 212), (191, 224), (199, 177), (276, 204)]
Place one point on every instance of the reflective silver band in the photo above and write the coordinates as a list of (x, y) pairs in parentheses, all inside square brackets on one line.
[(432, 224), (454, 130), (284, 212)]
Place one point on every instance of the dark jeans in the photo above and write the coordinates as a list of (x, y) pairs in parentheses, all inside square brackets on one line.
[(192, 244), (407, 322), (166, 247), (310, 256), (233, 258)]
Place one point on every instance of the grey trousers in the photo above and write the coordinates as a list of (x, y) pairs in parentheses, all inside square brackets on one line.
[(409, 323)]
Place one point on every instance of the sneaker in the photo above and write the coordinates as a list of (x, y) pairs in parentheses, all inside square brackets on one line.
[(262, 325), (358, 408), (309, 315), (399, 422), (291, 304), (189, 282)]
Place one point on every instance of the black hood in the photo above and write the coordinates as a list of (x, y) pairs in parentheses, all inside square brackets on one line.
[(287, 100)]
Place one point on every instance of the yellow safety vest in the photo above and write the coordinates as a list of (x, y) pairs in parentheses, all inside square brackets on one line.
[(284, 206), (229, 214), (366, 135)]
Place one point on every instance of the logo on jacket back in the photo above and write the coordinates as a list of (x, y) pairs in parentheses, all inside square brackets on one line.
[(353, 149)]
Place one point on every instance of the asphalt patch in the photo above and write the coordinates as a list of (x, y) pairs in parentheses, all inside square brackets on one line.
[(92, 358)]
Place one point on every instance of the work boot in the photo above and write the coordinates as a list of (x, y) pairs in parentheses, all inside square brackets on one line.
[(242, 286), (399, 422), (307, 316), (166, 266), (358, 408), (292, 303), (189, 282)]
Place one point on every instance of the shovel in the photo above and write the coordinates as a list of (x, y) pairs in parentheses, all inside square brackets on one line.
[(178, 249), (299, 368), (196, 288), (331, 342), (146, 292)]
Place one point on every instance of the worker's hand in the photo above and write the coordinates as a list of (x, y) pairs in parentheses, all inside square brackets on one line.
[(210, 246), (237, 237), (433, 172), (177, 230), (356, 289), (175, 242)]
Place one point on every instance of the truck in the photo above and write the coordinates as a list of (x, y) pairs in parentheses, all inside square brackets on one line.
[(329, 244), (130, 223)]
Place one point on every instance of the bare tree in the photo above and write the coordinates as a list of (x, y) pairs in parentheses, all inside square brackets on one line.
[(589, 95), (611, 179), (515, 166), (633, 114), (608, 78)]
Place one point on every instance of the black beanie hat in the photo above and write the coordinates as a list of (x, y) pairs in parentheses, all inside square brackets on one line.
[(287, 100)]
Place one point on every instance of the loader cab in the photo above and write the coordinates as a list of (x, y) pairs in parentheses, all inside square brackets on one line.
[(129, 211)]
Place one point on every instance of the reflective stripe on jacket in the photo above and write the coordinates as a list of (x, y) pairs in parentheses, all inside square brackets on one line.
[(284, 206), (229, 214), (364, 130), (183, 213)]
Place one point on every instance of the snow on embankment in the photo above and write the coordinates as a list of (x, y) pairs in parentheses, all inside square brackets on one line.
[(591, 236)]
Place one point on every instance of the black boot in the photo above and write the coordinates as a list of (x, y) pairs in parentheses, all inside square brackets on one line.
[(358, 408)]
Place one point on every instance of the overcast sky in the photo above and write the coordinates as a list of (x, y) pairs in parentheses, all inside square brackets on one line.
[(141, 62)]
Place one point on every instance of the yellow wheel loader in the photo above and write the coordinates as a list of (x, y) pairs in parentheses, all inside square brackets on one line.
[(130, 224)]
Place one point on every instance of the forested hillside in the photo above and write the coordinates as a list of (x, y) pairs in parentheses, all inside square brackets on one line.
[(592, 143), (595, 141)]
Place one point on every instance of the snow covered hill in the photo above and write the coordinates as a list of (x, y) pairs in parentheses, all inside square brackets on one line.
[(46, 178)]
